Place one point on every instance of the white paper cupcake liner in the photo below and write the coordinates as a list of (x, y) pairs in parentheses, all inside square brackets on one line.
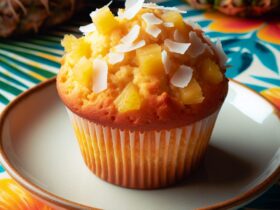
[(143, 160)]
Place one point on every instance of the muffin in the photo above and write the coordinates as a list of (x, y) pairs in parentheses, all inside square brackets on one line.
[(143, 90)]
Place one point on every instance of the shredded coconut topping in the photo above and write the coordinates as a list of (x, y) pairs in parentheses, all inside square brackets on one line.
[(166, 61), (209, 44), (132, 35), (197, 47), (132, 8), (100, 74), (87, 28), (176, 47), (182, 76), (123, 48), (155, 6), (153, 30), (222, 56), (129, 3), (115, 57), (151, 19)]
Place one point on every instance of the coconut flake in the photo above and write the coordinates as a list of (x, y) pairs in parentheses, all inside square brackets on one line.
[(197, 47), (100, 74), (218, 48), (123, 48), (153, 30), (182, 76), (129, 3), (87, 28), (155, 6), (166, 61), (115, 57), (168, 24), (132, 35), (93, 13), (176, 47), (209, 46), (178, 37), (132, 8), (151, 19), (222, 56)]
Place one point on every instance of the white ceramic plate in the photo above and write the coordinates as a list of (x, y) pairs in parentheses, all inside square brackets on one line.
[(38, 149)]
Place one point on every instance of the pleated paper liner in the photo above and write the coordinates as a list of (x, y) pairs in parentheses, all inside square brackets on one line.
[(143, 160)]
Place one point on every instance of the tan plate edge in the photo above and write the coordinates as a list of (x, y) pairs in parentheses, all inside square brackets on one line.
[(32, 188), (67, 204)]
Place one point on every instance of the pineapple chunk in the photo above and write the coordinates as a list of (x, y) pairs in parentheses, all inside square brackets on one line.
[(176, 18), (149, 58), (104, 20), (192, 94), (68, 42), (211, 72), (83, 72), (129, 99), (77, 49)]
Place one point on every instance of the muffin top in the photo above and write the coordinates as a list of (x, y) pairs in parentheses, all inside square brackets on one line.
[(144, 69)]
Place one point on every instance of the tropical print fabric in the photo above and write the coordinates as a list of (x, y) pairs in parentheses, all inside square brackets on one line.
[(252, 45), (253, 48), (14, 197)]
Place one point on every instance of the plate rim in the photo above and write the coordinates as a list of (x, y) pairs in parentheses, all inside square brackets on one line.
[(51, 198)]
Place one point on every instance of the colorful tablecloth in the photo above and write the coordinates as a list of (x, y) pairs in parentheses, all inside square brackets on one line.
[(252, 45)]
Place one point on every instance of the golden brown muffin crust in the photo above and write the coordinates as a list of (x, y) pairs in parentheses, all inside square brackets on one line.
[(158, 113)]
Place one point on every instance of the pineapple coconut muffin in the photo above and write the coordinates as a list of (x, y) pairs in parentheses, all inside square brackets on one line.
[(143, 90)]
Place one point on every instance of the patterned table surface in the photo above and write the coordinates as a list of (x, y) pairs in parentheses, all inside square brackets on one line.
[(252, 45)]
